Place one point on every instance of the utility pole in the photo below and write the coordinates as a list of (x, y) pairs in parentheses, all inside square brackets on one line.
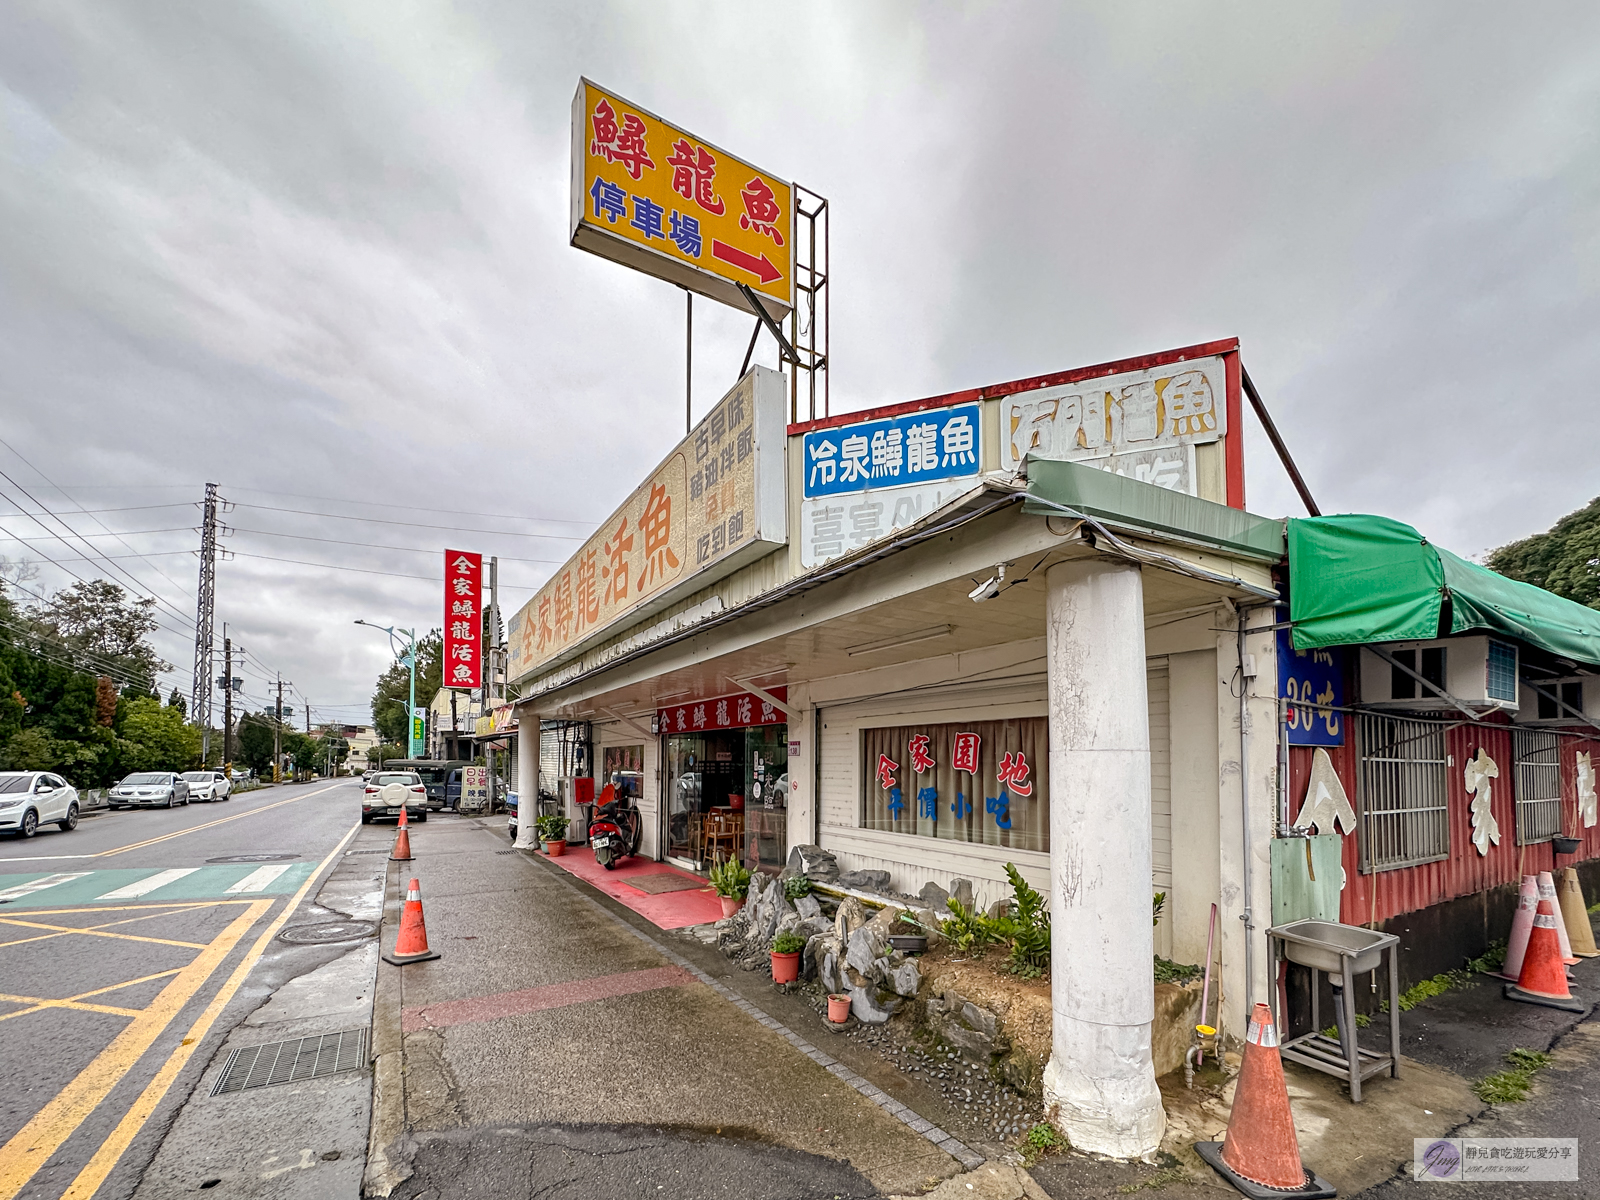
[(277, 737), (308, 718), (200, 708), (227, 697)]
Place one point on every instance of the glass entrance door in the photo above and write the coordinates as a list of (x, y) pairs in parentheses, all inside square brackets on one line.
[(705, 771)]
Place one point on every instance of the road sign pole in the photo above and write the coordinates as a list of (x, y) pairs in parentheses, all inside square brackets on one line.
[(411, 710)]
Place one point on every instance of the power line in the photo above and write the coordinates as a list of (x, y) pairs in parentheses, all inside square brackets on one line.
[(304, 537), (563, 537), (299, 562)]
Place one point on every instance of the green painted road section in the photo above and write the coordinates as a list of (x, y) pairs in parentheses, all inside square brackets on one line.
[(64, 889)]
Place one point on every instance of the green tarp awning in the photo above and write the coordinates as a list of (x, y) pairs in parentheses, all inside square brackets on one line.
[(1371, 579)]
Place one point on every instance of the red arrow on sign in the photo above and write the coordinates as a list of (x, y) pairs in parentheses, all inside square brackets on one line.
[(762, 268)]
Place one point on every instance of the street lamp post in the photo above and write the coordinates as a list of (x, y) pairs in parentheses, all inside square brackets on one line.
[(410, 657)]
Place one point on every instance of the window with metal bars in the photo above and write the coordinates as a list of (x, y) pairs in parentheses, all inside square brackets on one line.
[(1538, 757), (1404, 819)]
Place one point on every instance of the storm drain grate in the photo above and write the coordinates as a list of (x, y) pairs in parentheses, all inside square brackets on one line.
[(505, 851), (292, 1061), (348, 853)]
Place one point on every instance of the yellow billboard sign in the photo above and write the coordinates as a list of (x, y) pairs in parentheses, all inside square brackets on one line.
[(716, 502), (656, 198)]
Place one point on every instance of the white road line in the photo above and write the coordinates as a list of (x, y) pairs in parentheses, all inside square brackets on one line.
[(145, 886), (258, 879), (39, 885)]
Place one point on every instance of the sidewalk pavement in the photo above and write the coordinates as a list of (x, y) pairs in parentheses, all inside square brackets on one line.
[(557, 1048), (564, 1043)]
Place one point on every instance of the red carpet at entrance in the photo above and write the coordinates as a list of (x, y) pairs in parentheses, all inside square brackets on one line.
[(670, 910)]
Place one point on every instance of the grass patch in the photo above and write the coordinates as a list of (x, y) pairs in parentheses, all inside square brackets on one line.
[(1511, 1086), (1044, 1138), (1490, 961), (1168, 971), (1159, 1180), (1429, 988)]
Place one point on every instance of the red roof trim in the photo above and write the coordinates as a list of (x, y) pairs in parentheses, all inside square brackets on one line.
[(1076, 375)]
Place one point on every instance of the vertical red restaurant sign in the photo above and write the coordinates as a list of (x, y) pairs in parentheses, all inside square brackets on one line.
[(463, 619)]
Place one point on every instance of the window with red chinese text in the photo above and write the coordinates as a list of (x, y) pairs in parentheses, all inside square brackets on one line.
[(985, 782)]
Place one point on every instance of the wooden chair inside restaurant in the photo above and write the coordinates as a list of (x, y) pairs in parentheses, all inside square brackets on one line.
[(720, 830)]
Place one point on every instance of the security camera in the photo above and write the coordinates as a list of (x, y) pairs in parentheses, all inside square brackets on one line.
[(987, 590)]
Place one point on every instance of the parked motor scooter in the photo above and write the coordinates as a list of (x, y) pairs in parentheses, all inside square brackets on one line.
[(615, 828)]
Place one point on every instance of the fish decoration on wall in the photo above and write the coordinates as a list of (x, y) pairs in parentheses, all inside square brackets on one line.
[(1586, 797), (1325, 800), (1479, 771)]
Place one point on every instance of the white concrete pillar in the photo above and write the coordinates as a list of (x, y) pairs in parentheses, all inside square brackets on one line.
[(1100, 1081), (527, 777)]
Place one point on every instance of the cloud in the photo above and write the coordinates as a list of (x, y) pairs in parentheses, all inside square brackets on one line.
[(321, 250)]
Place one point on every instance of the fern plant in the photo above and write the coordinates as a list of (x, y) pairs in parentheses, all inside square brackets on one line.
[(1029, 927)]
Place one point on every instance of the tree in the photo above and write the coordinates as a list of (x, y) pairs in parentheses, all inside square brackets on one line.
[(1564, 560), (255, 740), (390, 697), (177, 701), (96, 622), (157, 738)]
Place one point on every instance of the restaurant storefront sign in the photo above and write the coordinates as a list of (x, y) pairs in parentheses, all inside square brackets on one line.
[(715, 503)]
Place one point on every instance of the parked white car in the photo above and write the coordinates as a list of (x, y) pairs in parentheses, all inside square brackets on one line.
[(208, 785), (150, 789), (31, 798)]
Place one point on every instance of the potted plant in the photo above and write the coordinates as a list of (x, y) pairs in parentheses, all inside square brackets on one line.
[(730, 879), (908, 934), (553, 834), (838, 1008), (796, 886), (786, 948)]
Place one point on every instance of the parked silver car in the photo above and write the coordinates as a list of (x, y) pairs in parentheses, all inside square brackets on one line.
[(150, 789), (208, 785), (31, 798)]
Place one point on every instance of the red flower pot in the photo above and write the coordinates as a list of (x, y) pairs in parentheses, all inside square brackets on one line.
[(556, 849), (785, 967), (838, 1008), (731, 904)]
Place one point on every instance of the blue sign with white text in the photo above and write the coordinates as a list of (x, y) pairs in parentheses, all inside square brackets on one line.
[(924, 447), (1306, 678)]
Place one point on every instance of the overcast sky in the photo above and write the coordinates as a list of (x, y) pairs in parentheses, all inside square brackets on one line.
[(317, 252)]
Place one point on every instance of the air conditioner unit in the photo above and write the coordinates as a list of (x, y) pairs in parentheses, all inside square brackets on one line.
[(1479, 671), (1582, 692)]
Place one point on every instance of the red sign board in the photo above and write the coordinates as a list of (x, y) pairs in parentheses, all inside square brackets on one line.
[(463, 619), (737, 711)]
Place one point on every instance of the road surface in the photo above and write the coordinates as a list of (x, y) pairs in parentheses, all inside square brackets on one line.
[(128, 949)]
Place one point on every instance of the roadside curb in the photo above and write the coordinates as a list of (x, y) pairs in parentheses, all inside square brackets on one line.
[(956, 1149), (388, 1164)]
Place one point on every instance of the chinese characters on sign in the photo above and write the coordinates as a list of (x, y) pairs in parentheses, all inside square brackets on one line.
[(738, 711), (974, 782), (1143, 424), (864, 481), (709, 501), (463, 619), (1306, 678), (702, 218)]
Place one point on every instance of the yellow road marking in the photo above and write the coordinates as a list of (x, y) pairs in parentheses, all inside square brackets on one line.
[(63, 930), (76, 1001), (39, 1002), (32, 1146), (111, 1150), (167, 837), (71, 929)]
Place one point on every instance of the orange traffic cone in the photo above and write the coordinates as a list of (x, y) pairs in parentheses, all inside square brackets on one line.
[(1544, 977), (1521, 923), (412, 944), (1261, 1155), (1547, 891), (1575, 915), (402, 841)]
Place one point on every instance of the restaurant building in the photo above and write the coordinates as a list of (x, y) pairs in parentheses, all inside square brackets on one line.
[(1029, 623)]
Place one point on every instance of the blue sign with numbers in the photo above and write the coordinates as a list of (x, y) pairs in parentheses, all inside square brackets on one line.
[(923, 447), (1307, 678)]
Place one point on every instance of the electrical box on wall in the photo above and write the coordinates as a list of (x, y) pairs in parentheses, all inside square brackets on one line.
[(1579, 692), (1478, 671)]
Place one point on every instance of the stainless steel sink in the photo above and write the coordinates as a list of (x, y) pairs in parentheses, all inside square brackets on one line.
[(1325, 945)]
